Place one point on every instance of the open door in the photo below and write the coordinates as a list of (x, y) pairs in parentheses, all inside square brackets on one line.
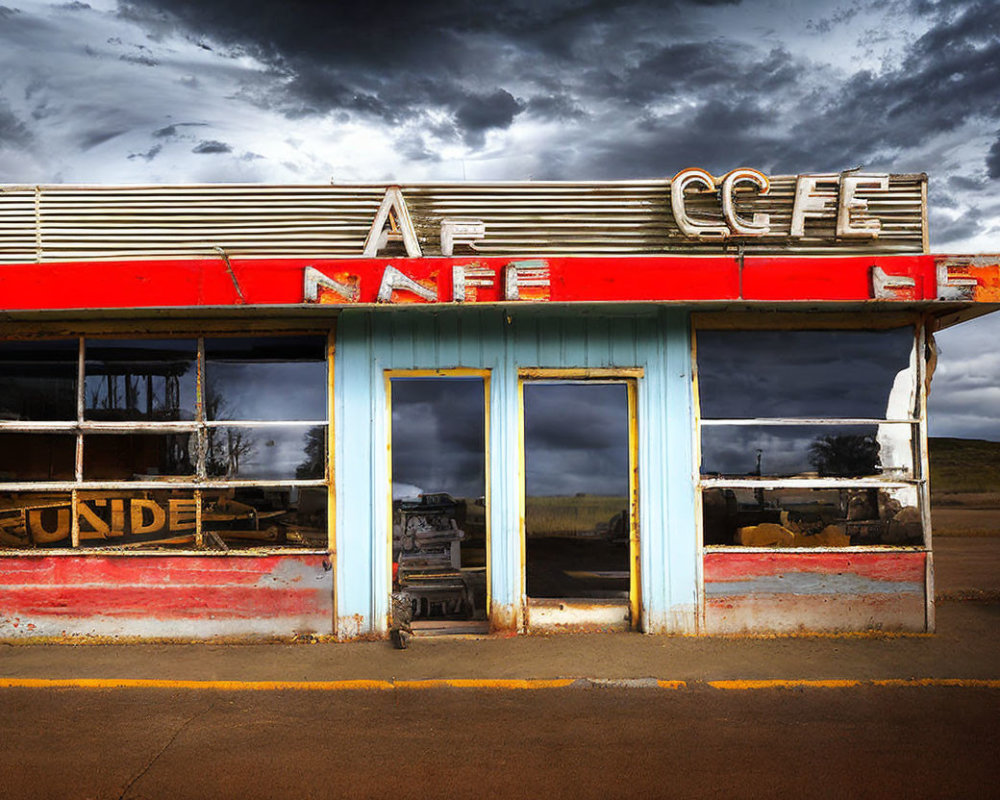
[(439, 515), (580, 542)]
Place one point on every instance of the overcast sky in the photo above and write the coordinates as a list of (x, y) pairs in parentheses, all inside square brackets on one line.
[(299, 91)]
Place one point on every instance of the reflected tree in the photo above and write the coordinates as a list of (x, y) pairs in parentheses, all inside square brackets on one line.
[(845, 456), (224, 447), (314, 465)]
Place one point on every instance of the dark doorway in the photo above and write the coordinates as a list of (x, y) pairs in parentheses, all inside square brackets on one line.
[(577, 489), (439, 545)]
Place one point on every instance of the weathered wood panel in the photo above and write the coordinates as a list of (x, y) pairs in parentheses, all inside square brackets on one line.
[(822, 592), (169, 596)]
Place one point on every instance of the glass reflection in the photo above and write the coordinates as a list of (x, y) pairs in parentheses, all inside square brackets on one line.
[(438, 487), (438, 442), (265, 516), (37, 457), (265, 378), (266, 452), (757, 374), (34, 519), (576, 518), (841, 451), (38, 380), (811, 517), (148, 379), (138, 456)]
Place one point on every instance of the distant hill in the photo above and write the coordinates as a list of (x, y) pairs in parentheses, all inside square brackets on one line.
[(964, 465)]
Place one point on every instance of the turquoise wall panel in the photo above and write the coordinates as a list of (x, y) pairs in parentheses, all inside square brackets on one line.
[(503, 341)]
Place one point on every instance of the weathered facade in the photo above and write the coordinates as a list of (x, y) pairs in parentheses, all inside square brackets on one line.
[(205, 392)]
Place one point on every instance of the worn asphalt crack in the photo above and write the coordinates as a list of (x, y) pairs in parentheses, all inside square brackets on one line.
[(163, 749)]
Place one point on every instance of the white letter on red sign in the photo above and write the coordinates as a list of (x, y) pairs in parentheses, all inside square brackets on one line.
[(393, 280)]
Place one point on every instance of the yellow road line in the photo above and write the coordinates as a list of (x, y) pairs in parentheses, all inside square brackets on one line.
[(474, 683), (485, 683), (964, 683)]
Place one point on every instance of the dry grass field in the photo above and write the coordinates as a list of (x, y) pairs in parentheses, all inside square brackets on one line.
[(965, 487), (564, 516)]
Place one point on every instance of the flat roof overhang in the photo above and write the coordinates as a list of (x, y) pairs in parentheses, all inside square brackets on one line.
[(948, 287)]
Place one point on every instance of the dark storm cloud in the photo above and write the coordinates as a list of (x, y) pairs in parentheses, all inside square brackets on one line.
[(149, 155), (993, 159), (170, 131), (438, 440), (575, 439), (462, 57), (93, 138), (947, 77), (658, 90), (12, 129), (211, 146), (477, 114), (947, 229)]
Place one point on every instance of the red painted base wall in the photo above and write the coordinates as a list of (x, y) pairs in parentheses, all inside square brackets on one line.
[(165, 596), (821, 592)]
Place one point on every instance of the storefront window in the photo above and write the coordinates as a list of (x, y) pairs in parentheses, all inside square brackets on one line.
[(809, 438), (137, 455), (150, 379), (38, 380)]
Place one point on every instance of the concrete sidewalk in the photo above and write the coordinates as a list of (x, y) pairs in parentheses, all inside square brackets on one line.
[(967, 646)]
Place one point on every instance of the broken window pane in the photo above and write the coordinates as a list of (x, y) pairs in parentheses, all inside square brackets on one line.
[(138, 456), (267, 516), (830, 374), (37, 457), (35, 519), (576, 521), (38, 380), (796, 517), (266, 453), (265, 378), (840, 451), (438, 489), (140, 379)]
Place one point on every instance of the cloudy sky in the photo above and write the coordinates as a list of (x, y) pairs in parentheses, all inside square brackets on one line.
[(307, 91)]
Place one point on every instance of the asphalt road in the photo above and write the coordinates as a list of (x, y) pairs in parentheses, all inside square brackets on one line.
[(574, 743)]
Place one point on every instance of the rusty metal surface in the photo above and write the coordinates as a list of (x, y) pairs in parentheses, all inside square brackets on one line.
[(165, 596), (53, 223), (759, 592)]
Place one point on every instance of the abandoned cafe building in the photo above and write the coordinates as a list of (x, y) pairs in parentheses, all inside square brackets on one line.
[(686, 406)]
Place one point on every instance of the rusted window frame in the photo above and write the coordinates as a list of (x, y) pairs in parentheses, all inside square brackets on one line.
[(197, 483), (919, 480)]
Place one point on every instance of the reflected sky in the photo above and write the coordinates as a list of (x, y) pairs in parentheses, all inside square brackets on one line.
[(266, 453), (751, 374), (438, 442), (576, 438), (273, 378), (732, 450)]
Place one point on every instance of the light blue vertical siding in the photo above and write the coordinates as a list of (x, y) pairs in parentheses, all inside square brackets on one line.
[(503, 341)]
